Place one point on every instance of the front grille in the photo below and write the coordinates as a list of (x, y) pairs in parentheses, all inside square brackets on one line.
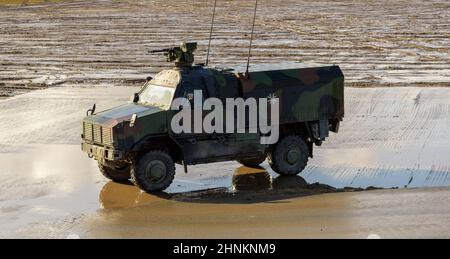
[(97, 133), (106, 136), (87, 131)]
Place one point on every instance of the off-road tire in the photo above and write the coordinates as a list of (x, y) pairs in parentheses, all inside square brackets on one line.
[(283, 163), (252, 162), (141, 171), (116, 174)]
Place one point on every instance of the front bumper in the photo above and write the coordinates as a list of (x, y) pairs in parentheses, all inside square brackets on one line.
[(102, 153)]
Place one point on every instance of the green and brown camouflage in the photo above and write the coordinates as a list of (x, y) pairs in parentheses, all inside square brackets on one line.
[(305, 94), (311, 105)]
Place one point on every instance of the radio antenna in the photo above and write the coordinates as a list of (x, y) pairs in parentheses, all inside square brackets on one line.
[(251, 38), (210, 32)]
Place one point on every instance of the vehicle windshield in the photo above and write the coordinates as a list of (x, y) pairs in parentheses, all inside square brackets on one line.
[(156, 95)]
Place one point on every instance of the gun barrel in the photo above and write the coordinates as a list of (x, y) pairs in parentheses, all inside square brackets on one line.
[(159, 50), (182, 56)]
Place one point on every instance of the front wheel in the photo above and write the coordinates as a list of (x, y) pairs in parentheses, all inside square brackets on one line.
[(117, 173), (154, 171), (289, 156)]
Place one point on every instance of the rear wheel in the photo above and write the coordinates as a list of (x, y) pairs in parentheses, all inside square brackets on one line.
[(154, 171), (116, 173), (252, 162), (289, 156)]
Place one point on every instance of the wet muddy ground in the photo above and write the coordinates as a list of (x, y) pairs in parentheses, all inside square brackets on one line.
[(82, 52), (86, 43), (391, 138)]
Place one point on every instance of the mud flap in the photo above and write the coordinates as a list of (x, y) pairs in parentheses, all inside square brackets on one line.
[(323, 129), (310, 148), (185, 167)]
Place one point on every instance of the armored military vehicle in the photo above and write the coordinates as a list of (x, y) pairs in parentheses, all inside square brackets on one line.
[(136, 141)]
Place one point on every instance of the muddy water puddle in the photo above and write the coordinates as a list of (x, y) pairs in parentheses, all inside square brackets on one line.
[(244, 186), (57, 180), (49, 182)]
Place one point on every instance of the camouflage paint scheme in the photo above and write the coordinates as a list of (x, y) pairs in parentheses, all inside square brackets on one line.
[(307, 95)]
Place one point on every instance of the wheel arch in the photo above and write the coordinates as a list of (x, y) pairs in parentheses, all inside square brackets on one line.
[(158, 142)]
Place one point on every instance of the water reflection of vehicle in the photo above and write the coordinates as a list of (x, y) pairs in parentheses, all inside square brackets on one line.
[(289, 182), (257, 178), (244, 180), (114, 195), (248, 178)]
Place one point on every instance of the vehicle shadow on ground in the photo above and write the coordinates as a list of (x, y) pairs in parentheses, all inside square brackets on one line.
[(248, 185)]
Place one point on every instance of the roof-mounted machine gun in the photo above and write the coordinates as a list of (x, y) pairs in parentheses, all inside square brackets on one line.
[(183, 56)]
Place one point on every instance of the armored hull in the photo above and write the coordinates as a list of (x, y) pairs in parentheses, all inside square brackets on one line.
[(305, 94)]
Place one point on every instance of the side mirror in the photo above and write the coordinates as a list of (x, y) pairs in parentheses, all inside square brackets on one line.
[(91, 111), (135, 97), (149, 78)]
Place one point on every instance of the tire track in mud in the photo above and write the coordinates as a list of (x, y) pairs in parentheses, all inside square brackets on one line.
[(51, 116), (89, 43), (398, 220), (387, 139)]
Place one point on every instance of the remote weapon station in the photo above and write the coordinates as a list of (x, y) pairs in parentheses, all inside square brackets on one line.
[(136, 141)]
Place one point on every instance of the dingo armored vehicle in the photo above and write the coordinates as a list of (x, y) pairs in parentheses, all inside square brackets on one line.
[(137, 140)]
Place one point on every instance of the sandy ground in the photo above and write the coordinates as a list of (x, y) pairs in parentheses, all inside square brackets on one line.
[(77, 53), (391, 137), (85, 43), (385, 214)]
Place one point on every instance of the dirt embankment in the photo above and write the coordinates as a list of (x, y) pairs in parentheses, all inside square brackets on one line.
[(86, 43)]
